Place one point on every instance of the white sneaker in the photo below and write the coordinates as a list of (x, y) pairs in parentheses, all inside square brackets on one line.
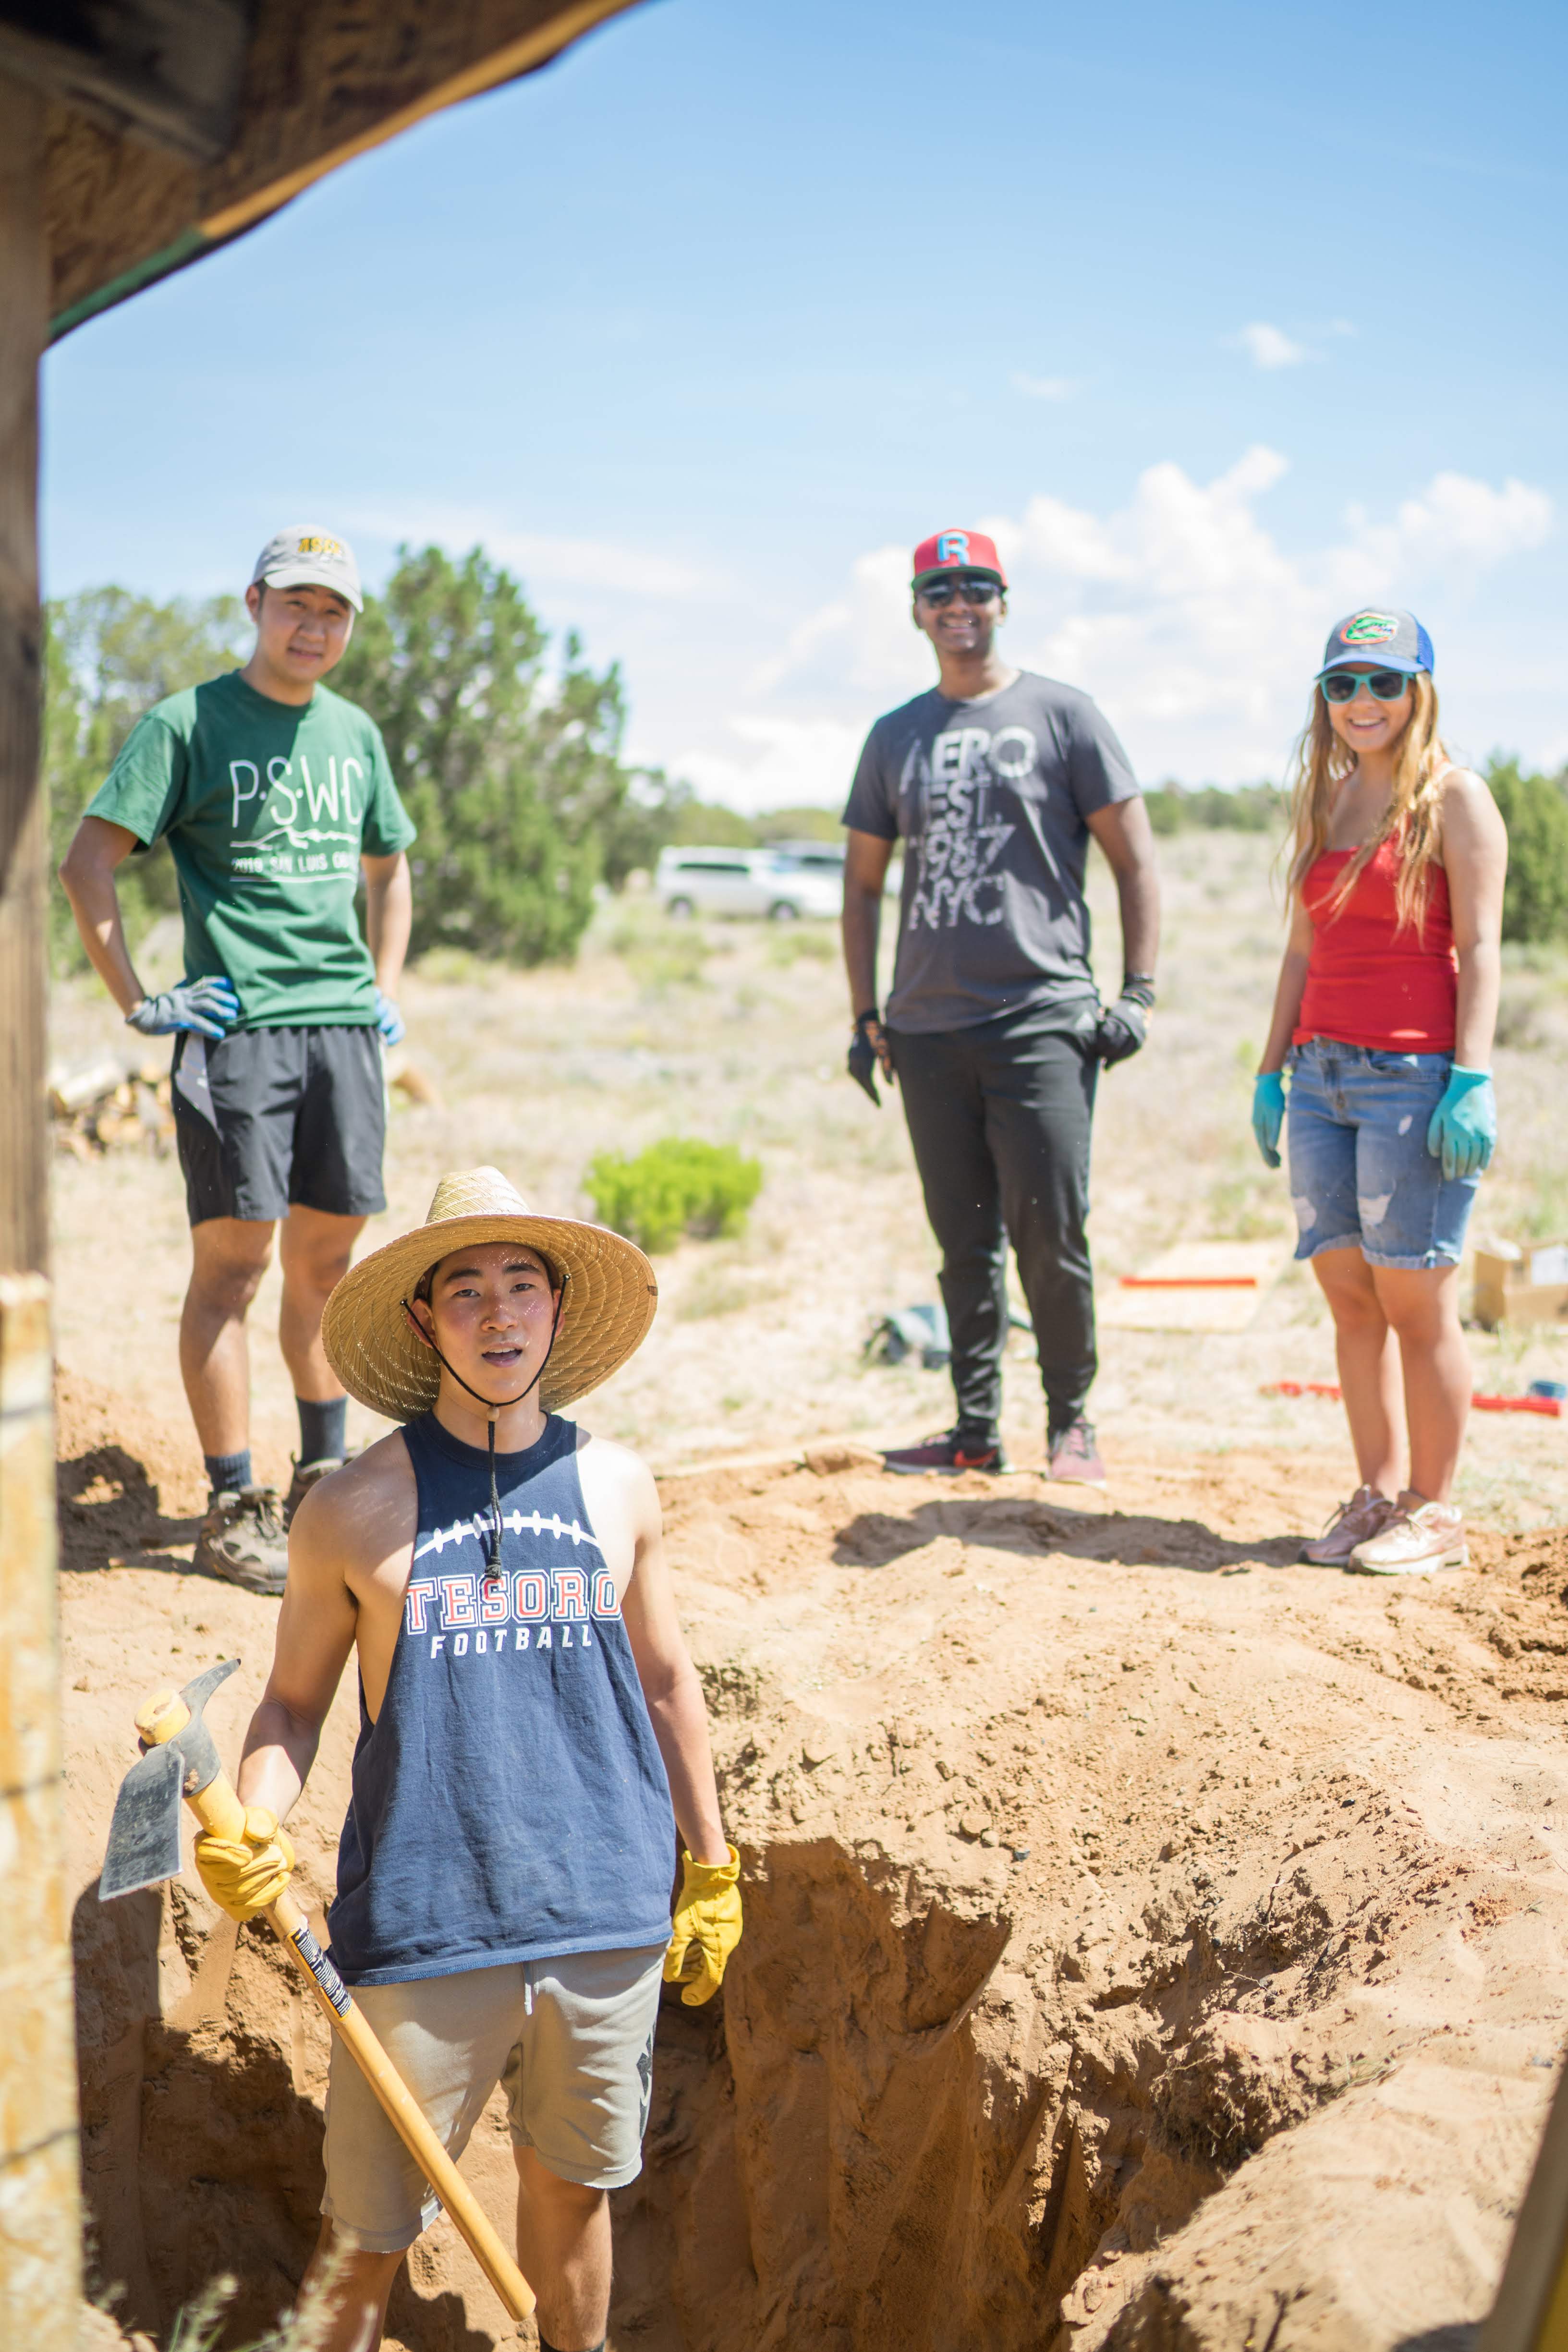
[(1416, 1542)]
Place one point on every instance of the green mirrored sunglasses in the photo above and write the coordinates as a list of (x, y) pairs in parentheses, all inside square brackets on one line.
[(1383, 685)]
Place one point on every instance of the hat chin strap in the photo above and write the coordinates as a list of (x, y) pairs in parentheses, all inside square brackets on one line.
[(493, 1534)]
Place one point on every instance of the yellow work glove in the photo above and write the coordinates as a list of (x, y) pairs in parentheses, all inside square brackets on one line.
[(707, 1927), (243, 1876)]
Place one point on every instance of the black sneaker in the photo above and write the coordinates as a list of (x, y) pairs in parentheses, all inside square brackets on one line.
[(1072, 1457), (306, 1476), (949, 1455), (242, 1540)]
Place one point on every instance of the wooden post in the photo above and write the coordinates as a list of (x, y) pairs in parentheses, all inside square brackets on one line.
[(39, 2224)]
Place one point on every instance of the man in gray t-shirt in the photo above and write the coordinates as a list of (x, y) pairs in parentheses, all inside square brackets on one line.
[(994, 782)]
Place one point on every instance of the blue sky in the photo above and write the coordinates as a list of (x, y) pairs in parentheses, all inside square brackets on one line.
[(1228, 320)]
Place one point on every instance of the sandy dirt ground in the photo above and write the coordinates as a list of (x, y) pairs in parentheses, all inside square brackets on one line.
[(1151, 1941)]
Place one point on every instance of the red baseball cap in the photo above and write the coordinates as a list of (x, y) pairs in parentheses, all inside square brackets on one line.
[(958, 550)]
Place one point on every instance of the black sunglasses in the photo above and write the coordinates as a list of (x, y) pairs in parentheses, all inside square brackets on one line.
[(973, 591), (1383, 685)]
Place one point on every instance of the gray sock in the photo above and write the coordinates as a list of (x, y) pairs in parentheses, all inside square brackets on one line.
[(229, 1474), (324, 1429)]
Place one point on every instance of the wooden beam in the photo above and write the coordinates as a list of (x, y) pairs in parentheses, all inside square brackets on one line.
[(324, 84), (167, 71), (22, 293), (39, 2223)]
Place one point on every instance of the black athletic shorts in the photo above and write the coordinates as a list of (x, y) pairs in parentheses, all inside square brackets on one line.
[(268, 1117)]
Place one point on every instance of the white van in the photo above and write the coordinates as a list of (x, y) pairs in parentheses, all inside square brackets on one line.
[(780, 884)]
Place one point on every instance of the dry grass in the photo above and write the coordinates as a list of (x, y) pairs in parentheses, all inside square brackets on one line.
[(736, 1033)]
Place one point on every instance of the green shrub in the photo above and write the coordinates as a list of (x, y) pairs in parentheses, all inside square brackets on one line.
[(1240, 808), (676, 1186), (1535, 810)]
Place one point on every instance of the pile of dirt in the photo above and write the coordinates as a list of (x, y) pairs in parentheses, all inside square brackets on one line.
[(1149, 1942)]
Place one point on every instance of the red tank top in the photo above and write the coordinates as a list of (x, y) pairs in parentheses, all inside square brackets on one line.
[(1370, 982)]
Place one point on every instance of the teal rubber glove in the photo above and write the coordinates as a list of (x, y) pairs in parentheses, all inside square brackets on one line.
[(1269, 1114), (1464, 1125)]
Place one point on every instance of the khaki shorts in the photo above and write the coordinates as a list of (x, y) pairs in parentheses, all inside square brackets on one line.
[(571, 2038)]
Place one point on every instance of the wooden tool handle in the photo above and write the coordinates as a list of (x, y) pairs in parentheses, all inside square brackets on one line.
[(219, 1811), (347, 2021)]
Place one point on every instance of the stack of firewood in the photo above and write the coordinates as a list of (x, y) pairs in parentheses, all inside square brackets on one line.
[(100, 1106)]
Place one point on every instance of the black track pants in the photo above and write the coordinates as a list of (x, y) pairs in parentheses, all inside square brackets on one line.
[(1000, 1118)]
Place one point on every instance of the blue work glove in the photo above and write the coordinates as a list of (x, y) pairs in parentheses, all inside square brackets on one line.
[(1464, 1125), (1269, 1114), (208, 1006), (389, 1021)]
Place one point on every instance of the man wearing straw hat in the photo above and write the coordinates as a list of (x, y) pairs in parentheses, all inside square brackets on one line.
[(532, 1732)]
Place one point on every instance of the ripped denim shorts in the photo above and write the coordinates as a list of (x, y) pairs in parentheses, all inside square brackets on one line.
[(1360, 1174)]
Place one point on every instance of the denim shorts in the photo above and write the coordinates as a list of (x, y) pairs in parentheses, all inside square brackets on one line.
[(1360, 1174)]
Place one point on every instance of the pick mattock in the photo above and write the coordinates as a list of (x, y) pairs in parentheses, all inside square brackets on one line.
[(179, 1760)]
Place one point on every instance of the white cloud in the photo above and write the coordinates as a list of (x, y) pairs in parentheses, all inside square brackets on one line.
[(767, 763), (1270, 347), (1179, 611), (1458, 519), (1042, 387)]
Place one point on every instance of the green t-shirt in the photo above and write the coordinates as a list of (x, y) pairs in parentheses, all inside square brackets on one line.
[(269, 807)]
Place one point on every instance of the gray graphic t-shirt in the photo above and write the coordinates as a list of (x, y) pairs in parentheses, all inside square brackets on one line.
[(990, 797)]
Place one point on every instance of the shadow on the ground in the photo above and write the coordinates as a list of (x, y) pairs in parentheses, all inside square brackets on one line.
[(110, 1512), (1113, 1539), (200, 2159)]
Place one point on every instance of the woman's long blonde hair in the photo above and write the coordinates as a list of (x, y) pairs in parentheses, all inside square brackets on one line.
[(1319, 767)]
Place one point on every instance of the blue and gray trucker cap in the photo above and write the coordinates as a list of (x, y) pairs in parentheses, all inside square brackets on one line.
[(1380, 638)]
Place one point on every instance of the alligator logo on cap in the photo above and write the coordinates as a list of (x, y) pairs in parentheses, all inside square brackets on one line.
[(1370, 629)]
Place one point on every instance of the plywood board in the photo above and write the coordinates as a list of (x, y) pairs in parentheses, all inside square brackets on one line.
[(1246, 1268)]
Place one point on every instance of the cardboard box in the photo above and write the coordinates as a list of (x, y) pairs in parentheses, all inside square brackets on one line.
[(1515, 1285)]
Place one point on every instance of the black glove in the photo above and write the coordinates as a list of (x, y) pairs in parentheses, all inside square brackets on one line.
[(1124, 1026), (862, 1059)]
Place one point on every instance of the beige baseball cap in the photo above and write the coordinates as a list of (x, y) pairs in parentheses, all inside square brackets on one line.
[(306, 557)]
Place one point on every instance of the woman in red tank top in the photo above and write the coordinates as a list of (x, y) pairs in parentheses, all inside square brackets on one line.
[(1383, 1017)]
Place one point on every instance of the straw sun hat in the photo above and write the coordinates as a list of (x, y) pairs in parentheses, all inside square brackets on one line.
[(611, 1295)]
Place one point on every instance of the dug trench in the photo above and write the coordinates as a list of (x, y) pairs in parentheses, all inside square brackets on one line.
[(1149, 1942)]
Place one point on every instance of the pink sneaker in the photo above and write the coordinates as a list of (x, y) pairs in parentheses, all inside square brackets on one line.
[(1072, 1457), (1357, 1522), (1418, 1539)]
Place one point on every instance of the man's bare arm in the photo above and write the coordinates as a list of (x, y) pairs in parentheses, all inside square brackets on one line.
[(388, 915), (86, 877), (866, 860), (671, 1686), (316, 1626), (1124, 832)]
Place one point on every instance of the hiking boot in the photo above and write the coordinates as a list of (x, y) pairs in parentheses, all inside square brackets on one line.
[(1357, 1522), (242, 1540), (1072, 1457), (953, 1451), (306, 1476), (1418, 1539)]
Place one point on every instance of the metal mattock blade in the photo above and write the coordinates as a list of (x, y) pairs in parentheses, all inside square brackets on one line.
[(197, 1693), (144, 1835)]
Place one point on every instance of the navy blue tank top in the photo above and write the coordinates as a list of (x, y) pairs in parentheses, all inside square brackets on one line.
[(510, 1801)]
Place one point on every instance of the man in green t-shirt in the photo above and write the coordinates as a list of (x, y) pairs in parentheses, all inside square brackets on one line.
[(273, 793)]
